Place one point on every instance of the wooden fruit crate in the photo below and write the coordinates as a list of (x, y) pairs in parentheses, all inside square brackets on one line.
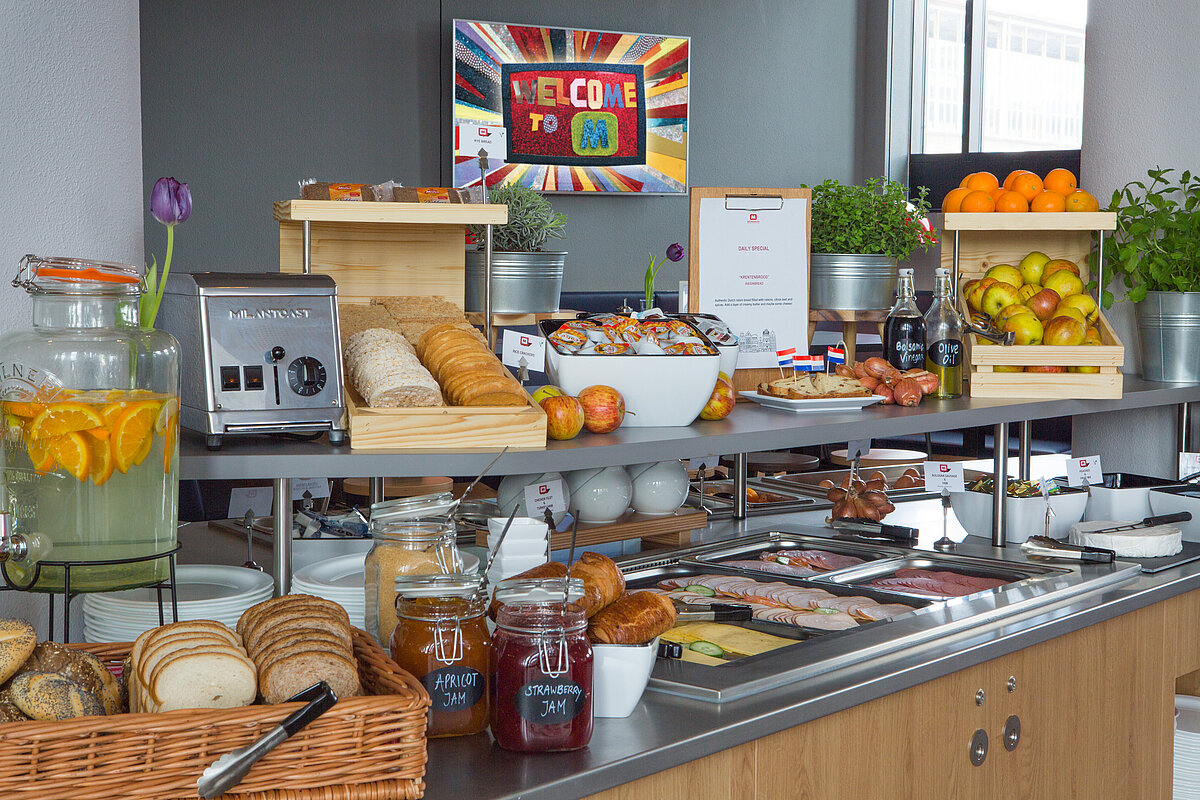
[(411, 249), (985, 240)]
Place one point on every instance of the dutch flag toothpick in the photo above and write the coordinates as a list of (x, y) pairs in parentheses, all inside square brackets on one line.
[(808, 363), (836, 355)]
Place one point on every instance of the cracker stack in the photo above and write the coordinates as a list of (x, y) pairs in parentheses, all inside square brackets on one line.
[(297, 640), (467, 370), (384, 369)]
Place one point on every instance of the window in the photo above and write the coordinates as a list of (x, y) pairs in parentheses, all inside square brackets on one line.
[(1024, 79)]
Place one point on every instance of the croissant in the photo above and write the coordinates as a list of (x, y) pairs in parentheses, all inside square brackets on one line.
[(635, 618), (602, 581)]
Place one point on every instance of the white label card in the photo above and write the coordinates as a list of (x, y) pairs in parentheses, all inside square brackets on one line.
[(857, 447), (255, 499), (1189, 464), (1084, 471), (704, 462), (540, 496), (517, 345), (316, 487), (946, 475)]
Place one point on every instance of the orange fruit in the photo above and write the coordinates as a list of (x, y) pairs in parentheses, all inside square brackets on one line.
[(1048, 201), (26, 410), (62, 418), (1011, 202), (72, 452), (1079, 200), (132, 434), (954, 199), (1061, 180), (111, 412), (98, 433), (169, 439), (966, 179), (1029, 185), (1012, 176), (977, 202), (982, 181), (995, 193), (102, 462), (41, 453)]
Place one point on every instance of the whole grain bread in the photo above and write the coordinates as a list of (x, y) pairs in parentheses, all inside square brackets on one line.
[(298, 671)]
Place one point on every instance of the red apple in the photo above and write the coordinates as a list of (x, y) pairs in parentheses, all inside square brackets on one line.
[(603, 408), (1045, 369), (1043, 304), (564, 416), (722, 401)]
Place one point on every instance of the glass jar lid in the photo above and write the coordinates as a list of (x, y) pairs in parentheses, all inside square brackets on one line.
[(414, 586), (425, 505), (411, 530), (530, 591), (62, 275)]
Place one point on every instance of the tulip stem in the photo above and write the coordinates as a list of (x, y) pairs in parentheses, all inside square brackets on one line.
[(162, 277)]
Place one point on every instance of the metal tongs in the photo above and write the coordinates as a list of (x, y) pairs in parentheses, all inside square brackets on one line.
[(1044, 547), (714, 612), (982, 326), (871, 529)]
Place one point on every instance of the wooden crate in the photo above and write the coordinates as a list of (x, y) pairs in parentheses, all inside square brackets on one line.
[(390, 249), (986, 240)]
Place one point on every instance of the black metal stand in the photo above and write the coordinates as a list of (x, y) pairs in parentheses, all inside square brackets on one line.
[(67, 566)]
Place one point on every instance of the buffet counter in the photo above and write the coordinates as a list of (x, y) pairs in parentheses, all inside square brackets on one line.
[(902, 724)]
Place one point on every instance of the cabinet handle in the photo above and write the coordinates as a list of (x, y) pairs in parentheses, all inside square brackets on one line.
[(980, 697), (1012, 733), (1012, 684), (979, 747)]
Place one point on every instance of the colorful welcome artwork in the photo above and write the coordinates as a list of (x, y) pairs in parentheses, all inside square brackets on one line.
[(570, 111)]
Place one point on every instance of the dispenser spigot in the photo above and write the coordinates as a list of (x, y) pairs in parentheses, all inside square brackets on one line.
[(13, 546)]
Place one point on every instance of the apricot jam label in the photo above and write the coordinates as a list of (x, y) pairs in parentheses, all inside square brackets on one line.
[(453, 688)]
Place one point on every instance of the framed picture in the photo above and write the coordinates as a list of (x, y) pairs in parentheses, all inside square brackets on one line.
[(570, 111)]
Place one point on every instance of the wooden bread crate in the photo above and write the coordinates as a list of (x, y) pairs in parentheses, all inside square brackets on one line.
[(985, 240), (403, 249), (361, 749)]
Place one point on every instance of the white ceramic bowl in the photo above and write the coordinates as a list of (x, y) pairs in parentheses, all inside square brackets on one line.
[(620, 673), (1181, 498), (661, 390), (1121, 497), (522, 529), (511, 493), (600, 495), (1026, 515), (659, 488)]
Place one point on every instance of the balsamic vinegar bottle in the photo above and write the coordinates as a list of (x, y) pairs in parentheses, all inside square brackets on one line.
[(943, 332), (904, 328)]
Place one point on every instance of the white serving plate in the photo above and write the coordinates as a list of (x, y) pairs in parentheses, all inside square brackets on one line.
[(195, 583), (819, 404)]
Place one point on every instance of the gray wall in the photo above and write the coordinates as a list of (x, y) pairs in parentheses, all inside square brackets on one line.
[(241, 100), (1140, 105), (70, 154)]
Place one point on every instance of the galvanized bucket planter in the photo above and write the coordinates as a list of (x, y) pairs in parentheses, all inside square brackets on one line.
[(522, 283), (1169, 329), (850, 282)]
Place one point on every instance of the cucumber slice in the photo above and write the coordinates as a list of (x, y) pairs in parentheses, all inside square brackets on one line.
[(825, 611), (698, 589), (707, 648)]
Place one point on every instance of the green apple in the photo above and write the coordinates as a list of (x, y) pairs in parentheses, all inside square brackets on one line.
[(1083, 369), (549, 390), (997, 297), (1085, 304), (1006, 273), (1026, 328), (1073, 313), (1065, 282), (1007, 368), (975, 295), (1028, 290), (1013, 310), (1031, 266), (1064, 331)]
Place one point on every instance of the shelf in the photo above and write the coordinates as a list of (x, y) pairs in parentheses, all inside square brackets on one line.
[(1032, 221), (746, 430), (407, 213)]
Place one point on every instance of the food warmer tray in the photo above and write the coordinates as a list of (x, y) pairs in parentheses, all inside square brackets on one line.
[(779, 540), (862, 574), (940, 624), (805, 483), (783, 500)]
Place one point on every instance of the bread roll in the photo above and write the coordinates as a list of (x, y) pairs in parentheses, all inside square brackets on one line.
[(602, 581), (49, 696), (17, 640), (634, 618)]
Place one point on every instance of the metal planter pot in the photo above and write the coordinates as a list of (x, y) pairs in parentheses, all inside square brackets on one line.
[(849, 282), (522, 283), (1169, 329)]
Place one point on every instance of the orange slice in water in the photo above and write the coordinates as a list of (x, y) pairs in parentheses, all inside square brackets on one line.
[(21, 409), (72, 452), (61, 418), (103, 463), (112, 412), (169, 441), (132, 434), (41, 453)]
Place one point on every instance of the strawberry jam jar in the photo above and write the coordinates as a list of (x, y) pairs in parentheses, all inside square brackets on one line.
[(541, 670)]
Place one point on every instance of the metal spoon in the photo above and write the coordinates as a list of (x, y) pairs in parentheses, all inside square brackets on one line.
[(454, 506), (571, 556)]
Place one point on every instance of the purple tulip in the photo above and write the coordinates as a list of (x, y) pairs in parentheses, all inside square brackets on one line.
[(170, 201), (675, 252)]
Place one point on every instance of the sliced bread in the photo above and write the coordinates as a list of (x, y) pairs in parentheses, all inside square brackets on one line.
[(295, 673), (298, 628), (255, 611), (300, 636), (315, 618), (203, 678)]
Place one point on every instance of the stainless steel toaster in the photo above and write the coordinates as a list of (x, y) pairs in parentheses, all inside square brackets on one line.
[(260, 353)]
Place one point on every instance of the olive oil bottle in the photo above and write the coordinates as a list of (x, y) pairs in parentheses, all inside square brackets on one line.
[(943, 339)]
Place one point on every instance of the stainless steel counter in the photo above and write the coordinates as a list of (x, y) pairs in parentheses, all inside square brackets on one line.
[(665, 731)]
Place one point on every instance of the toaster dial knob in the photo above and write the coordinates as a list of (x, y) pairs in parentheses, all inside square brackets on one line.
[(306, 376)]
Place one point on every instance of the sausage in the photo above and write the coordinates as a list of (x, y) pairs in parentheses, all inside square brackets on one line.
[(551, 569), (602, 581), (635, 618)]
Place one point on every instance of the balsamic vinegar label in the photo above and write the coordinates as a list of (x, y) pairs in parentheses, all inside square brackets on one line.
[(550, 701), (453, 688), (946, 352), (906, 354)]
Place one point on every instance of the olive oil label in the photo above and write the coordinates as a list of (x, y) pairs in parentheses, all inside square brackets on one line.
[(946, 352), (550, 701), (454, 688)]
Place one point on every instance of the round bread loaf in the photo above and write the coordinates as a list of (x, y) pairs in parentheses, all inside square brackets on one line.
[(49, 696), (17, 640)]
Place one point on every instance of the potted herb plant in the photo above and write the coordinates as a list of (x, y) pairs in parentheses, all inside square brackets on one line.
[(859, 233), (1156, 252), (525, 278)]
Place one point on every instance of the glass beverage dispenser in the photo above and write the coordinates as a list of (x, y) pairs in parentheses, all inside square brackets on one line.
[(90, 404)]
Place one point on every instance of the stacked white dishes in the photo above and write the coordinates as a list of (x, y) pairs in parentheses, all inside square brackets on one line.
[(1187, 748), (205, 591), (342, 580), (524, 546)]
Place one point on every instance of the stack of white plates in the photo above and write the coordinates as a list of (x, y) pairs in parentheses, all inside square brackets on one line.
[(1187, 748), (205, 591), (338, 579)]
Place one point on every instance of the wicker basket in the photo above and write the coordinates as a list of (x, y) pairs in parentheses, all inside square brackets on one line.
[(364, 748)]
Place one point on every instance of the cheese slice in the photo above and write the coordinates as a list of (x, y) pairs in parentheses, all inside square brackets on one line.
[(733, 639), (1156, 542)]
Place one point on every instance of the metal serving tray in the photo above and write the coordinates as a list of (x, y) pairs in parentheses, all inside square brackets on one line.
[(862, 574), (781, 500), (806, 483), (780, 540)]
